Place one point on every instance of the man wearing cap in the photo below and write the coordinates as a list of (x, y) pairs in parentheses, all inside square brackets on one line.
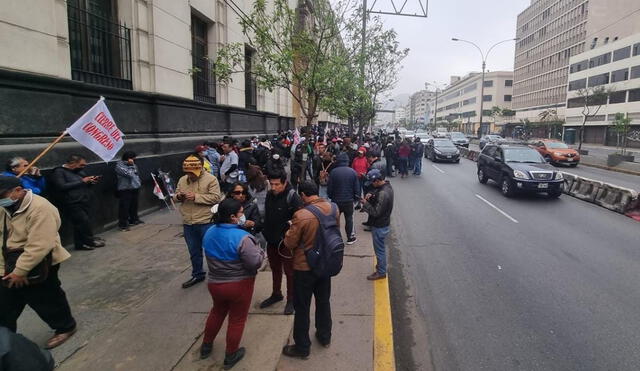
[(379, 205), (229, 168), (30, 223), (197, 192)]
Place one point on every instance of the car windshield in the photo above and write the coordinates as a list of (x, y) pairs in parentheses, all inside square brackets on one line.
[(557, 145), (493, 137), (457, 136), (443, 144), (527, 155)]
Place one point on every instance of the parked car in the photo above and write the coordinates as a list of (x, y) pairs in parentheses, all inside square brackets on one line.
[(491, 138), (518, 169), (438, 149), (556, 152), (458, 139)]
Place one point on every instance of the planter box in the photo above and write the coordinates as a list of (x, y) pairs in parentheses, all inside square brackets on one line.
[(615, 159)]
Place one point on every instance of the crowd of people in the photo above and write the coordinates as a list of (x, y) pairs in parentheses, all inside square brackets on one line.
[(242, 203)]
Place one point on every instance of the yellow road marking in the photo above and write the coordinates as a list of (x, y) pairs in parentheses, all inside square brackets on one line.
[(383, 354)]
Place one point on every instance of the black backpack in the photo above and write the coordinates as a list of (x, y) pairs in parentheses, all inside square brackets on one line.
[(326, 255)]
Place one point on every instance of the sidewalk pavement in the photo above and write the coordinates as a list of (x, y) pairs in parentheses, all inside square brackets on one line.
[(133, 314)]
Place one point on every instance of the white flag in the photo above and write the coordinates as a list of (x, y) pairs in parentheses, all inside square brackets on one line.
[(97, 131)]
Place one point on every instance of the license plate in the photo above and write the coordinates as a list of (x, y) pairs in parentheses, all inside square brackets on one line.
[(448, 156), (569, 159), (543, 185)]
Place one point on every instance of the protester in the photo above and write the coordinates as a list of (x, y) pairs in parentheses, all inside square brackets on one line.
[(251, 220), (74, 192), (281, 203), (404, 151), (214, 158), (327, 164), (233, 258), (30, 261), (300, 238), (246, 156), (275, 165), (262, 153), (203, 152), (229, 168), (128, 188), (258, 186), (32, 179), (379, 205), (197, 192), (418, 152), (298, 166), (17, 353), (343, 188)]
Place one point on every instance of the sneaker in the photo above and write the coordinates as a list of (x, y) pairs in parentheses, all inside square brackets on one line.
[(352, 240), (124, 229), (205, 350), (271, 300), (288, 309), (96, 243), (292, 351), (230, 360), (376, 276)]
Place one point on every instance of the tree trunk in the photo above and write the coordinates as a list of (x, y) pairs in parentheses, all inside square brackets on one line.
[(584, 123)]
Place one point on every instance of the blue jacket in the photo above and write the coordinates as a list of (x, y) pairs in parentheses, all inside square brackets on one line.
[(232, 253), (36, 185), (343, 185)]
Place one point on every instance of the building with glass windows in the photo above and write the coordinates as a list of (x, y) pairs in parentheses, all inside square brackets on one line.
[(615, 66), (550, 33), (458, 105)]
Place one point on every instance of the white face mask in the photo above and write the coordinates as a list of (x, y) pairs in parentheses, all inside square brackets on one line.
[(242, 220), (276, 157)]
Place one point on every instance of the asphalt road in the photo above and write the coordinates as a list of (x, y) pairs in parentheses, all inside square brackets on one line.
[(513, 284), (612, 177)]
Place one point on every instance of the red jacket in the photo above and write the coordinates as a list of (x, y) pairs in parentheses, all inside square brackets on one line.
[(360, 164)]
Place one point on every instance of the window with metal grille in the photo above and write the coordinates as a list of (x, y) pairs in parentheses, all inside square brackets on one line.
[(204, 83), (100, 47), (250, 86)]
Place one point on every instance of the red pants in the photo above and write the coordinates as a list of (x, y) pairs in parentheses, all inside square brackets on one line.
[(278, 263), (233, 298)]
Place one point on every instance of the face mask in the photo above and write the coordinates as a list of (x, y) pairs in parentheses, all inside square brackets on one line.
[(242, 220), (7, 202), (276, 157)]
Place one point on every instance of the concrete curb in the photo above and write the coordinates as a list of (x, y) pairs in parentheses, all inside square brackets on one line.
[(383, 353), (623, 171)]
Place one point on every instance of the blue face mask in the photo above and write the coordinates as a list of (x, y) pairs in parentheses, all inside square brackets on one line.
[(7, 202)]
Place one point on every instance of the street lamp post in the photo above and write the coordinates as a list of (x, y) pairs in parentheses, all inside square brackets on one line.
[(484, 66)]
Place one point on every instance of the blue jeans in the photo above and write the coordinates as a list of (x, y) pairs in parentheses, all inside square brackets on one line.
[(379, 235), (322, 192), (193, 235), (418, 166)]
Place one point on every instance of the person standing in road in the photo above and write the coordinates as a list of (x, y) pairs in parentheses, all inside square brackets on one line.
[(343, 188), (281, 203), (418, 153), (128, 188), (389, 157), (197, 192), (32, 179), (74, 187), (229, 168), (31, 247), (300, 238), (404, 151), (233, 257), (379, 205)]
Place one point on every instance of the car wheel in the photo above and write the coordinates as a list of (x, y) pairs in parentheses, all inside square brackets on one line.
[(457, 161), (554, 194), (482, 177), (506, 186)]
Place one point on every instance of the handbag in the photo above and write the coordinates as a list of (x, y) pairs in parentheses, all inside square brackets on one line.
[(37, 275)]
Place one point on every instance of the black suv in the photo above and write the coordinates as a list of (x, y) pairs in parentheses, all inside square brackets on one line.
[(518, 168)]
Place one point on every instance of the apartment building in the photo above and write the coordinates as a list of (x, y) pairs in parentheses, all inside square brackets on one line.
[(549, 33), (459, 103), (417, 106), (615, 66)]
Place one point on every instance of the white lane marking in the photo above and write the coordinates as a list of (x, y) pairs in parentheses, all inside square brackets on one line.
[(437, 168), (497, 209), (499, 268)]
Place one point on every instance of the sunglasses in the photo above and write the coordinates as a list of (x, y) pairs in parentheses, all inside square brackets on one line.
[(238, 193)]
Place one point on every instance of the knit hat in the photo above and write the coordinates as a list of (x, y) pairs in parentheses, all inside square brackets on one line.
[(192, 165), (8, 183)]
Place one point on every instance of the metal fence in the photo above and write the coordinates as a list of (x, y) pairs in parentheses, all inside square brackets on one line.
[(100, 49)]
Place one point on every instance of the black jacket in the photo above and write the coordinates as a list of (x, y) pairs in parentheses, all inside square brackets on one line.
[(343, 183), (380, 206), (274, 166), (18, 353), (279, 209), (251, 212), (245, 158), (70, 187)]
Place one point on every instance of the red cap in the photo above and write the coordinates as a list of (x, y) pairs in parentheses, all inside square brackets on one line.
[(200, 148)]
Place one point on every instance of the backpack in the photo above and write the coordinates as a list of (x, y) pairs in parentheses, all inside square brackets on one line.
[(326, 255)]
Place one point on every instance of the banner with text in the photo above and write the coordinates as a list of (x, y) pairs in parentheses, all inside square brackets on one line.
[(97, 131)]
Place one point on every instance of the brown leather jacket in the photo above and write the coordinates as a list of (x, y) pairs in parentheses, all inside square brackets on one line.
[(302, 234)]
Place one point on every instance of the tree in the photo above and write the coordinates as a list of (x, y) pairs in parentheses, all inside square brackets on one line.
[(592, 100), (549, 117), (622, 124), (297, 50)]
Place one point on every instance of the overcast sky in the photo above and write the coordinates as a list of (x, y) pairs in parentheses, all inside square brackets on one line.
[(434, 57)]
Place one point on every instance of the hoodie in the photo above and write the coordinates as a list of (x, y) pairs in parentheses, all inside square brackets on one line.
[(360, 164), (343, 183)]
